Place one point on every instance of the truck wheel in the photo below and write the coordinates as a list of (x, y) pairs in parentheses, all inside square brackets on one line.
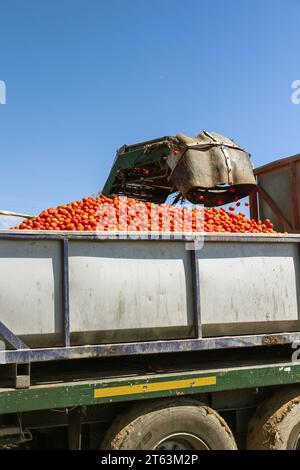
[(169, 425), (276, 423)]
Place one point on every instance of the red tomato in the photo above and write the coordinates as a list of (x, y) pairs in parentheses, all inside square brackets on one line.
[(120, 213)]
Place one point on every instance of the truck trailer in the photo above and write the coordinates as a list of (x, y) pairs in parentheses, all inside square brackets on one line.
[(157, 341)]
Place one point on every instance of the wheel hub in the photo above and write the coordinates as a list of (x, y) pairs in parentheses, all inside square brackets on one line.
[(181, 441)]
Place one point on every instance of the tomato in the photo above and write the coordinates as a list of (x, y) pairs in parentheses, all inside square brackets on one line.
[(268, 223), (119, 213)]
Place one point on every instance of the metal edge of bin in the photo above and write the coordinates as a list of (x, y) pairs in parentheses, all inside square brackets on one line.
[(146, 236)]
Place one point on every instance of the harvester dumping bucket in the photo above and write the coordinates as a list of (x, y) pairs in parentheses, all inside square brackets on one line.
[(212, 170), (209, 169)]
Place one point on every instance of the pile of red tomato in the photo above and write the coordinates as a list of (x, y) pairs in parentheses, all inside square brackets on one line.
[(122, 214)]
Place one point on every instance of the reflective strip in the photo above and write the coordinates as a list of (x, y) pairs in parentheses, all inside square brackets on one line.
[(154, 387)]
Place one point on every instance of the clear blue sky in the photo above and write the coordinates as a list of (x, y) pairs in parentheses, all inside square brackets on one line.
[(84, 77)]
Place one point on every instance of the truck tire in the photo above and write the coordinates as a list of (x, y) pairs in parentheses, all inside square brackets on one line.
[(178, 424), (276, 423)]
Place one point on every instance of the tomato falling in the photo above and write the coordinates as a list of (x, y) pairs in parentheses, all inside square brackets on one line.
[(122, 214)]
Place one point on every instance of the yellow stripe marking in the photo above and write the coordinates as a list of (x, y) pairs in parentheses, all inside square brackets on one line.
[(153, 387)]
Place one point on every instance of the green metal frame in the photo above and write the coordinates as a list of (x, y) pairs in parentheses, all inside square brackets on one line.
[(133, 155), (70, 394)]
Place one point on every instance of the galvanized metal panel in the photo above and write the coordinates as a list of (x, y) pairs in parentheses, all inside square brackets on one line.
[(129, 286), (249, 288), (30, 287)]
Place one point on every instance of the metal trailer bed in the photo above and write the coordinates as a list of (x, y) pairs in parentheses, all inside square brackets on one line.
[(72, 401), (104, 390)]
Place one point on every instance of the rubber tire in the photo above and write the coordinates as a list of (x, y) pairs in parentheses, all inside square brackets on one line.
[(276, 423), (146, 424)]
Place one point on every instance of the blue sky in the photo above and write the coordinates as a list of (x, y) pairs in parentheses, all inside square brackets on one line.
[(84, 77)]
